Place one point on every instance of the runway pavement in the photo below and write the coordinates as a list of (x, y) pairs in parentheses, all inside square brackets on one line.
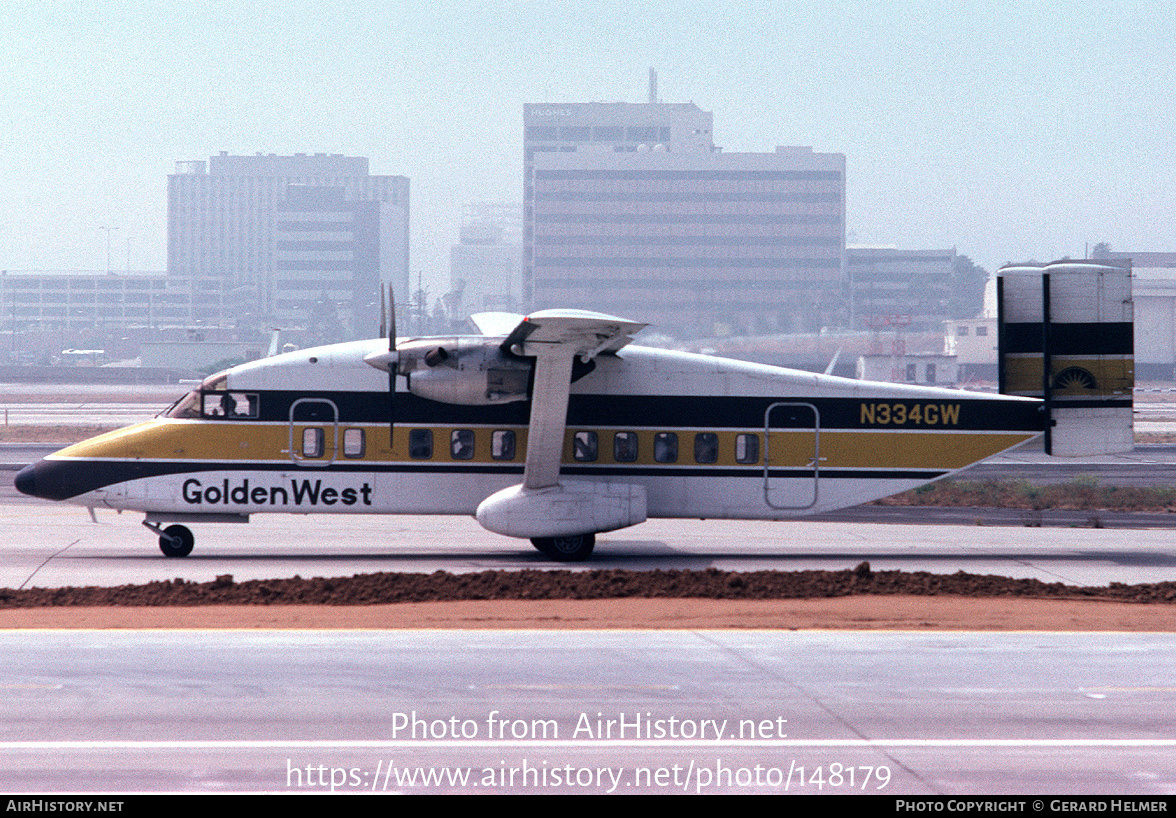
[(889, 713), (295, 711), (53, 546), (588, 712)]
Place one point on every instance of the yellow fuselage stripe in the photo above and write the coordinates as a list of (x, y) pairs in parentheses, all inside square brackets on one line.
[(180, 440)]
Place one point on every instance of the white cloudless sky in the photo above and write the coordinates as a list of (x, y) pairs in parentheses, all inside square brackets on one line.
[(1007, 130)]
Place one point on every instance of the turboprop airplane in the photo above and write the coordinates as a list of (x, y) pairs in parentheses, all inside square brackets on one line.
[(549, 427)]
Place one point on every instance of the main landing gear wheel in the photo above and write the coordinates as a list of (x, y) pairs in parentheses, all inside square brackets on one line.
[(573, 548), (176, 541)]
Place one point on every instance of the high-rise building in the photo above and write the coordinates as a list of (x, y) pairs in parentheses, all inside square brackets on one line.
[(886, 281), (485, 269), (223, 231), (327, 263), (597, 128), (631, 209)]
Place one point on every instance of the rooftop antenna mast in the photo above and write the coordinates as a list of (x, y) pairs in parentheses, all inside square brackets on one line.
[(652, 86)]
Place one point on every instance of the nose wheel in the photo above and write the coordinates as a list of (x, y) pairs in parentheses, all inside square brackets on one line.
[(175, 540)]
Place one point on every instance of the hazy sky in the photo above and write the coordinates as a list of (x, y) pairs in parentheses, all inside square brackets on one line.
[(1006, 130)]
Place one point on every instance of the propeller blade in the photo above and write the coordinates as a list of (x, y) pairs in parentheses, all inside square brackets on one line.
[(383, 314), (392, 318), (393, 364)]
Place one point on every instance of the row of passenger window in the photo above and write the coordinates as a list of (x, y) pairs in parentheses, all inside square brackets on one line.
[(586, 446)]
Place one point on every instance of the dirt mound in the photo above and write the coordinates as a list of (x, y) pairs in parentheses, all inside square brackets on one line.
[(441, 586)]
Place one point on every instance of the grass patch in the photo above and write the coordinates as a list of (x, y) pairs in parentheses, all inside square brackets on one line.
[(1155, 437), (1081, 494)]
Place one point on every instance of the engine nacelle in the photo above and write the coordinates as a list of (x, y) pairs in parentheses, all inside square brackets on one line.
[(468, 371), (569, 508)]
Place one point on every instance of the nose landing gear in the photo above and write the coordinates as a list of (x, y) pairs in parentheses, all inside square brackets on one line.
[(175, 540)]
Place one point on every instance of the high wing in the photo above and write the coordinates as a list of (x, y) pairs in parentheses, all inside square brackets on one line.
[(494, 323), (561, 518), (554, 338)]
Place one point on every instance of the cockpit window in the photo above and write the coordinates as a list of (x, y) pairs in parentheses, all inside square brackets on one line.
[(199, 403), (229, 405), (186, 407)]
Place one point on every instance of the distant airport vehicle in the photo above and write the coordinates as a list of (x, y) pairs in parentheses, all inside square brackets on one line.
[(549, 427)]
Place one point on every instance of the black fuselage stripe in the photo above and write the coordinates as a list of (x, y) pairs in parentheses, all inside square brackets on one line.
[(666, 411), (62, 479)]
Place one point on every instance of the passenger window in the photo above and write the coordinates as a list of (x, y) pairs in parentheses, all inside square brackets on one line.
[(420, 444), (706, 447), (747, 448), (625, 447), (354, 443), (312, 442), (461, 444), (502, 445), (665, 447), (584, 446)]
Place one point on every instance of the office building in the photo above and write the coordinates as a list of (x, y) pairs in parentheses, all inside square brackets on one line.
[(69, 301), (630, 208), (886, 282), (327, 263), (223, 232), (485, 269), (595, 128)]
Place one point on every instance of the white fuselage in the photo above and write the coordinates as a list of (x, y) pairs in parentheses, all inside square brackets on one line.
[(316, 431)]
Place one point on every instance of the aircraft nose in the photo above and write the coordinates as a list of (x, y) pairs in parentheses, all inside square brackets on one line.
[(48, 480), (26, 480), (55, 479)]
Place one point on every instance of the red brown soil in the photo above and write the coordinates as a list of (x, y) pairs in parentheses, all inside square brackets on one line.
[(608, 599)]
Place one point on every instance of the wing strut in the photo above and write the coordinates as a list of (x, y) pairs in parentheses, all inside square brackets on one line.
[(549, 414)]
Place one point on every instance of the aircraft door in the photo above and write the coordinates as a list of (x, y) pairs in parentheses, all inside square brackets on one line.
[(314, 432), (792, 455)]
